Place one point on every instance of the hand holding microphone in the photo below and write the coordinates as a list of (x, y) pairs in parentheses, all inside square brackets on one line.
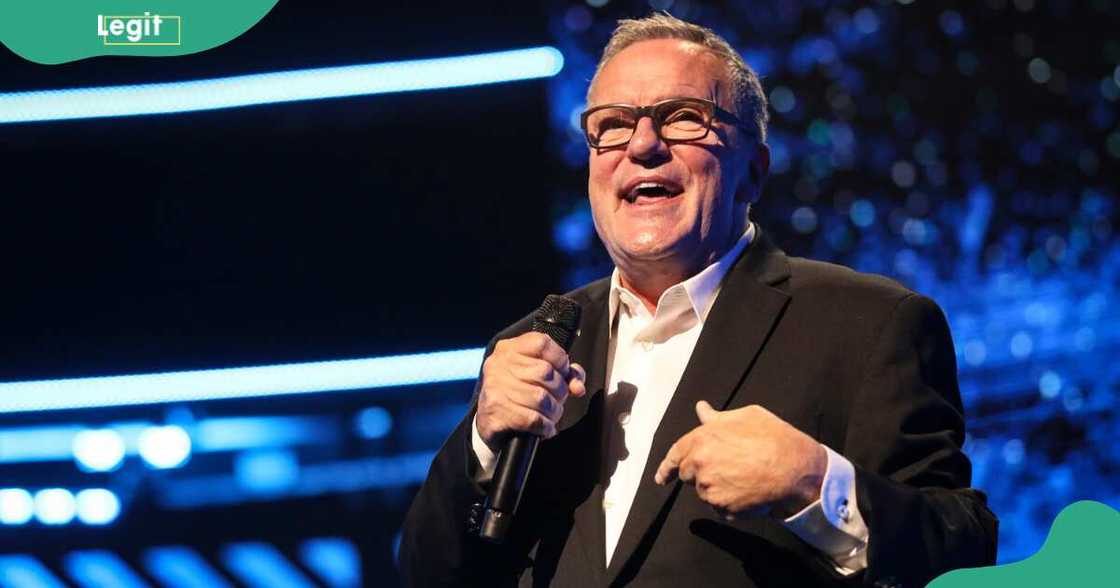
[(525, 382), (524, 385)]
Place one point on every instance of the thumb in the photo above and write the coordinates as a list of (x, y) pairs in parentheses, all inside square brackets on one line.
[(576, 370), (705, 412)]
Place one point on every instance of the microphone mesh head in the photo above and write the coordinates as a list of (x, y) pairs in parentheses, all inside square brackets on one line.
[(558, 317)]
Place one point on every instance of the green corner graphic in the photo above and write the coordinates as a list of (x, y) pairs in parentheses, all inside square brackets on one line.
[(1081, 550), (59, 31)]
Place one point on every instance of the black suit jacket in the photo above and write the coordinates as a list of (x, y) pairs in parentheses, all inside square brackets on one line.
[(858, 362)]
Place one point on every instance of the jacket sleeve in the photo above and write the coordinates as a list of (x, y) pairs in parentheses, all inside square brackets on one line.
[(905, 437), (438, 547)]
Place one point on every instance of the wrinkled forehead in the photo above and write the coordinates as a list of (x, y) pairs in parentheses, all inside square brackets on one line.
[(653, 70)]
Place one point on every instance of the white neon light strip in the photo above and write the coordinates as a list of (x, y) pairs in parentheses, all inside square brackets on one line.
[(286, 86), (246, 382)]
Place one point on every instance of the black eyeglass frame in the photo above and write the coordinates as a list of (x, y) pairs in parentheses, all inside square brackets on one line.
[(713, 109)]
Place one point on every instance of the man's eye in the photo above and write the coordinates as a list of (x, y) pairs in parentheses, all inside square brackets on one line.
[(613, 123), (685, 115)]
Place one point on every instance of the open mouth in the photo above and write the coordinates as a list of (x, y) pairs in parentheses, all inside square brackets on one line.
[(651, 190)]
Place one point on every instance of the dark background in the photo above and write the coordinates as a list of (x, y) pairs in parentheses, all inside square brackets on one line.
[(329, 229)]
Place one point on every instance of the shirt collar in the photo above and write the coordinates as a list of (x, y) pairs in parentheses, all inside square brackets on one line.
[(701, 288)]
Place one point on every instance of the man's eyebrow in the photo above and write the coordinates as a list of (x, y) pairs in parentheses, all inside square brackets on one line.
[(710, 93)]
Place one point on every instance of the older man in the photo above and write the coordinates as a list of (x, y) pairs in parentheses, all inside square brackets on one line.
[(728, 416)]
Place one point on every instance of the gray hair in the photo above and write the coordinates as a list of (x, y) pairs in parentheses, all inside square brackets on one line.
[(746, 90)]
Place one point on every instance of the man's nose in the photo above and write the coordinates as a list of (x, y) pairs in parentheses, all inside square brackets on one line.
[(645, 145)]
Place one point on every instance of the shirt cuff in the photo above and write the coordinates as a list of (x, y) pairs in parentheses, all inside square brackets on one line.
[(487, 460), (833, 523)]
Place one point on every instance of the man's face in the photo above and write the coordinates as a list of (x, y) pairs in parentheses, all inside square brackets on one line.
[(684, 225)]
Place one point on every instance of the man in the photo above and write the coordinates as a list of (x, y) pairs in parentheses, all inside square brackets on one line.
[(728, 415)]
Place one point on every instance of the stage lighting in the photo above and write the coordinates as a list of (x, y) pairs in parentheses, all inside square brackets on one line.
[(334, 559), (373, 422), (266, 472), (165, 447), (98, 506), (16, 506), (244, 382), (99, 567), (54, 506), (282, 86), (182, 567), (98, 450)]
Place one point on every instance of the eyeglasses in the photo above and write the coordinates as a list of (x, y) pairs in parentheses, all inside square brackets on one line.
[(675, 119)]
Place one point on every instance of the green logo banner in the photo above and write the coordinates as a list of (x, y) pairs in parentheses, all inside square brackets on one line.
[(59, 31), (1081, 550)]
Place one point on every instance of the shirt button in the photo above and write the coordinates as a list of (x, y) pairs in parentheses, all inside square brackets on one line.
[(647, 345), (607, 504), (623, 418)]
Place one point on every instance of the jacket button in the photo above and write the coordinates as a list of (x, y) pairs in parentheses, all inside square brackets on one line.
[(474, 518)]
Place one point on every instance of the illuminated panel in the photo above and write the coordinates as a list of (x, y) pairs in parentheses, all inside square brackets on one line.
[(101, 569), (24, 571), (177, 566), (335, 560), (260, 565), (246, 382), (279, 87), (235, 433), (31, 444)]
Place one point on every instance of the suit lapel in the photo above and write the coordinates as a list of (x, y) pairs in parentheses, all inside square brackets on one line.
[(590, 351), (736, 328)]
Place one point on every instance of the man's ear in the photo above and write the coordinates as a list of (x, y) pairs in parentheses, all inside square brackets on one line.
[(758, 168)]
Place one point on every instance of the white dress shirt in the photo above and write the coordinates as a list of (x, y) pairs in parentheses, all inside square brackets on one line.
[(646, 359)]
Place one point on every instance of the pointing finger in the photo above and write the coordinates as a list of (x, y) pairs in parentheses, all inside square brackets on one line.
[(668, 469), (705, 411)]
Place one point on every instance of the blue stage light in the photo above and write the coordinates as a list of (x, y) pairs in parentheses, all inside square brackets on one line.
[(16, 506), (373, 422), (24, 571), (260, 564), (336, 561), (804, 220), (55, 506), (37, 443), (258, 432), (101, 568), (177, 566), (97, 506), (783, 99), (1021, 345), (279, 87), (275, 380), (1049, 384), (266, 472), (975, 352), (862, 213), (165, 447), (98, 450)]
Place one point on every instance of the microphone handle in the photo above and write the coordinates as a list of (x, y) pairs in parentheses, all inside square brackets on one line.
[(506, 488), (558, 318)]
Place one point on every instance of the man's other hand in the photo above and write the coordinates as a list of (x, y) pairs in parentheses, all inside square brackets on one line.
[(747, 461), (524, 384)]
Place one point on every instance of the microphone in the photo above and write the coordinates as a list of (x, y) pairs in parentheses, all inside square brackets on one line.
[(558, 317)]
